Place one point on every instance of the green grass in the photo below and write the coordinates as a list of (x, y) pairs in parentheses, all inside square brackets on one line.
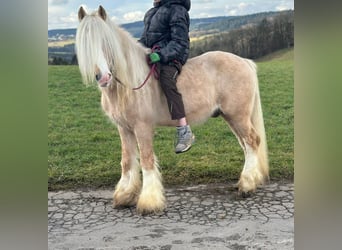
[(280, 55), (84, 147)]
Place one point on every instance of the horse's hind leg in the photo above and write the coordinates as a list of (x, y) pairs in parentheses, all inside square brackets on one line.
[(152, 197), (252, 174), (128, 188)]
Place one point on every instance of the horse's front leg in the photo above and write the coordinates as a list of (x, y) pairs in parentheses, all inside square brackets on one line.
[(151, 199), (128, 188)]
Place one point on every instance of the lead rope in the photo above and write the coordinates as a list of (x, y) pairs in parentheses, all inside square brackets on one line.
[(152, 71)]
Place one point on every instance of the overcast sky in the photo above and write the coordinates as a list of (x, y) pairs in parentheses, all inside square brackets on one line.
[(62, 14)]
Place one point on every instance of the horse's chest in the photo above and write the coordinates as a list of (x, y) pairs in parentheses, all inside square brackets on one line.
[(110, 109)]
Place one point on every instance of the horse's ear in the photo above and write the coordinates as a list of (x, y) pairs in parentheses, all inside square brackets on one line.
[(81, 14), (102, 13)]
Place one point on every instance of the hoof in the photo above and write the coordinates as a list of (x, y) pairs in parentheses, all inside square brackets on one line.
[(149, 210), (151, 205), (117, 204), (245, 194), (122, 199), (246, 185), (249, 181)]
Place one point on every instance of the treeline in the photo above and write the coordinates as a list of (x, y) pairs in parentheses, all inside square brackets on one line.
[(227, 23), (62, 55), (58, 60), (253, 40)]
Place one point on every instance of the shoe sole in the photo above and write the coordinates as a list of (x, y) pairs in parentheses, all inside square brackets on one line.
[(188, 147)]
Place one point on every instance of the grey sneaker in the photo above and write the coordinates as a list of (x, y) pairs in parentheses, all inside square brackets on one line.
[(184, 139)]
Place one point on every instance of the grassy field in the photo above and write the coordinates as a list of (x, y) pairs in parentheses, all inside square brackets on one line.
[(84, 147), (61, 43)]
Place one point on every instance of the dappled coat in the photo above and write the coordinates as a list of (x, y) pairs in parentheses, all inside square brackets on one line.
[(167, 26)]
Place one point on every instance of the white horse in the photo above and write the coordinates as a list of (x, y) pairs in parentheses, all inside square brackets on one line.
[(214, 83)]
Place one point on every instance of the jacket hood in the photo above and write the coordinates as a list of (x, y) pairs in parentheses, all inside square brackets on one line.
[(185, 3)]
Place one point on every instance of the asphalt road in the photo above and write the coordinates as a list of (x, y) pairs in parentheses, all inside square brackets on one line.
[(197, 217)]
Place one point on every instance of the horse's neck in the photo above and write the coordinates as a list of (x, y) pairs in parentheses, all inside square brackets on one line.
[(136, 68), (131, 48)]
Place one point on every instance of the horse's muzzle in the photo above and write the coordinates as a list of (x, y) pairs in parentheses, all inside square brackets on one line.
[(104, 80)]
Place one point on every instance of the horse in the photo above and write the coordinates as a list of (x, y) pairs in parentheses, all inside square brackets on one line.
[(214, 83)]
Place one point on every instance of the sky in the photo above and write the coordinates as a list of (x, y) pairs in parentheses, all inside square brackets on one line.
[(62, 14)]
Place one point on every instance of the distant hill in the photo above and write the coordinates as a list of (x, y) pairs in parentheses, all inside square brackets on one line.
[(135, 28), (65, 32), (223, 24), (199, 27), (218, 24)]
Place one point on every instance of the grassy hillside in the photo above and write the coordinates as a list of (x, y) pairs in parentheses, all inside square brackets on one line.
[(84, 147), (280, 55), (61, 43)]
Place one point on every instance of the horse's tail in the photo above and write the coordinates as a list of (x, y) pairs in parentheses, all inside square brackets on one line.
[(258, 123)]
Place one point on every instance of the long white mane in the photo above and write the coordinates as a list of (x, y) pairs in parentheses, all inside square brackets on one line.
[(97, 38)]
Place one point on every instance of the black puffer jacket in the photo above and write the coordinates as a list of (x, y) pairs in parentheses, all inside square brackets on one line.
[(167, 26)]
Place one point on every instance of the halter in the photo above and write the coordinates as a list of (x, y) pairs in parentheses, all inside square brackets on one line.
[(152, 71)]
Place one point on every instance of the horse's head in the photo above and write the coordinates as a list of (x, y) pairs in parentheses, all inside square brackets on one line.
[(95, 47)]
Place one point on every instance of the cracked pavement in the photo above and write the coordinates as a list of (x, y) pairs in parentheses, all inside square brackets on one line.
[(197, 217)]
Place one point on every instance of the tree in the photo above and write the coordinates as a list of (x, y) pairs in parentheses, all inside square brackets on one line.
[(74, 60), (252, 41), (58, 61)]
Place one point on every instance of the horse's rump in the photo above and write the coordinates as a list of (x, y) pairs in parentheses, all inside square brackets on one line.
[(213, 81)]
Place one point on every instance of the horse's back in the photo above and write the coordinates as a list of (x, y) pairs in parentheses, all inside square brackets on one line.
[(215, 55), (217, 69), (218, 62)]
